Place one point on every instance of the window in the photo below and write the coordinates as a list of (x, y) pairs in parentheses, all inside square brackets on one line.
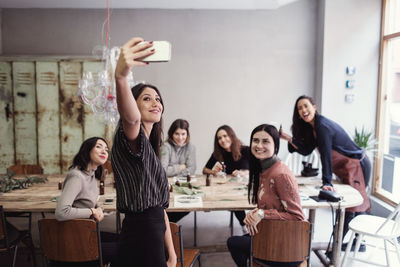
[(387, 164)]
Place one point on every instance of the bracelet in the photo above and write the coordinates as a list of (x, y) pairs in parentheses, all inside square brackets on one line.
[(91, 210)]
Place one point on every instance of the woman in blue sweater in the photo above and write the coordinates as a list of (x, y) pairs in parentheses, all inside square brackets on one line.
[(339, 154)]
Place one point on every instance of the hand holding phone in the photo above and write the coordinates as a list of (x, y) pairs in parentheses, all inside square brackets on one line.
[(162, 52)]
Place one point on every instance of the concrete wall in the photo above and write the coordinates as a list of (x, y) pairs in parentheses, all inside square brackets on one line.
[(240, 68)]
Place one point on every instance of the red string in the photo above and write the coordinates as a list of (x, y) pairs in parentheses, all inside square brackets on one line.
[(108, 21), (110, 96)]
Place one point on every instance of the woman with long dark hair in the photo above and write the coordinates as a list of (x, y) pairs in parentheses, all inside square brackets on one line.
[(178, 155), (339, 153), (272, 186), (140, 179), (80, 193), (229, 154)]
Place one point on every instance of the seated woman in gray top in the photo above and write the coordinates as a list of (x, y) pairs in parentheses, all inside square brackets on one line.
[(80, 193), (178, 156)]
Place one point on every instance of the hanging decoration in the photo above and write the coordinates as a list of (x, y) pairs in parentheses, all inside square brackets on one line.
[(99, 92)]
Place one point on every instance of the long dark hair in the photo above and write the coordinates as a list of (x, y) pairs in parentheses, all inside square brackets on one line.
[(235, 146), (157, 130), (82, 158), (178, 124), (302, 130), (254, 163)]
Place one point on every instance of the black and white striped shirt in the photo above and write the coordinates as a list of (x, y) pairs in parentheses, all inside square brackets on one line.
[(140, 179)]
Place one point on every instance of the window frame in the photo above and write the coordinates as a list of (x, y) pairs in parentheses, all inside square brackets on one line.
[(381, 104)]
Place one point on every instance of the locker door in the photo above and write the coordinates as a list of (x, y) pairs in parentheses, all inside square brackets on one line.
[(94, 125), (71, 112), (48, 116), (25, 112), (6, 118)]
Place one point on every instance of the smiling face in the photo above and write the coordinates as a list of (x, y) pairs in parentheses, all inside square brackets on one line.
[(149, 104), (224, 140), (306, 110), (262, 145), (180, 136), (99, 153)]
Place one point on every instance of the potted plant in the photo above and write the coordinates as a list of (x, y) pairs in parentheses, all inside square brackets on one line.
[(364, 139)]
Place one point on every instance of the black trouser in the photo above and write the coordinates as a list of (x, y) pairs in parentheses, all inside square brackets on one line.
[(141, 241), (239, 247)]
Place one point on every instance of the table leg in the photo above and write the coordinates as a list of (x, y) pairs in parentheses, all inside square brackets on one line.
[(338, 236), (311, 219), (231, 223), (195, 230)]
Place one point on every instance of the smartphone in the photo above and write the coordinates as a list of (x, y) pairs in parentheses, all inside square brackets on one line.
[(162, 52)]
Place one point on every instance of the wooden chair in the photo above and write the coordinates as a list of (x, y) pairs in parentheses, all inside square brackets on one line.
[(107, 166), (375, 228), (281, 241), (10, 238), (186, 257), (75, 240), (25, 169)]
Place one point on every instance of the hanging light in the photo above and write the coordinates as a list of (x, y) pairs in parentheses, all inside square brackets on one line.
[(99, 92)]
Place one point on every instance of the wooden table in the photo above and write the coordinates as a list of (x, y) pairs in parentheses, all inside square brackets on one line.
[(223, 194)]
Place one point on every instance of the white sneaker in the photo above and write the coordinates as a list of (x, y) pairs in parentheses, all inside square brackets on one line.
[(244, 230)]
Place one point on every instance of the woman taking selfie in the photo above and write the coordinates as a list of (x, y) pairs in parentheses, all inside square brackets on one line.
[(339, 154), (230, 152), (80, 193), (272, 186), (141, 182)]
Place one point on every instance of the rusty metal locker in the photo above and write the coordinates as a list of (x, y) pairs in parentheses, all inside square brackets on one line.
[(48, 116), (6, 118), (24, 95)]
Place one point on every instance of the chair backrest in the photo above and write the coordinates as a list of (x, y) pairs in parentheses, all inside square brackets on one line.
[(294, 161), (3, 236), (75, 240), (177, 241), (282, 241), (107, 166), (395, 216), (25, 169)]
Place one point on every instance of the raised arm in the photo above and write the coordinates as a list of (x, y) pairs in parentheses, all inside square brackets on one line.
[(127, 107)]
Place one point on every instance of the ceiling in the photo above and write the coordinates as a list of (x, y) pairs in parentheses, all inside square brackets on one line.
[(163, 4)]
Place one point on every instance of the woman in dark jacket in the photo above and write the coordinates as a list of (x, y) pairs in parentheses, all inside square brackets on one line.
[(339, 154)]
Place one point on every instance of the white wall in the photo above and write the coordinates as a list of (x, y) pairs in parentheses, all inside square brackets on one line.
[(351, 38), (240, 68)]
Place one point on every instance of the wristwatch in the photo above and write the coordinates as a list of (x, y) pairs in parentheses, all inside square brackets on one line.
[(260, 213)]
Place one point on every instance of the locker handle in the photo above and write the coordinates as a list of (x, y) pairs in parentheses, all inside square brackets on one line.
[(7, 110)]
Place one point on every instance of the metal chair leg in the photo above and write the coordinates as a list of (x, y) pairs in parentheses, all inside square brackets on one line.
[(195, 229)]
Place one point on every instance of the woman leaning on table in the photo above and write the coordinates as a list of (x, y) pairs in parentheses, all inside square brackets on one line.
[(140, 180), (272, 186), (230, 151), (80, 193), (339, 154)]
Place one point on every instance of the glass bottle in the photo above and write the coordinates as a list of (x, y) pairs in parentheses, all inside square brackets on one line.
[(208, 180)]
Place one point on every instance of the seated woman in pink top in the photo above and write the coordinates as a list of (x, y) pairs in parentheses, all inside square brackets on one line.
[(272, 186)]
